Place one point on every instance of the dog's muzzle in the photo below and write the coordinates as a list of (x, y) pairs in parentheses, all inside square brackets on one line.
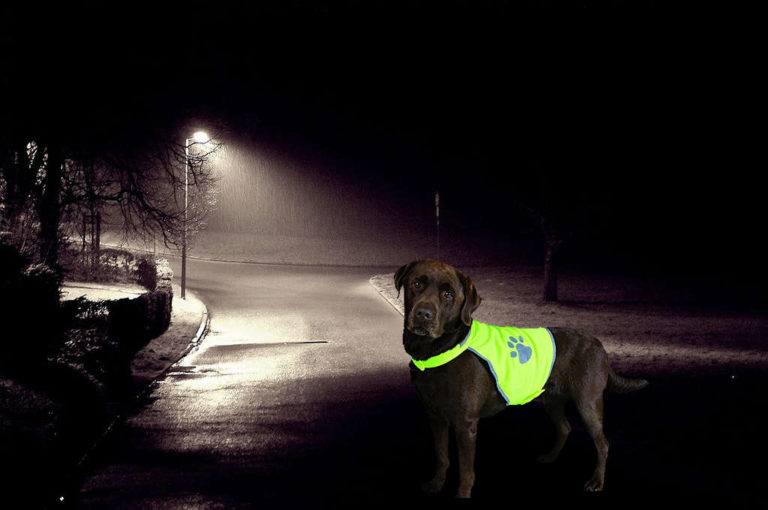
[(422, 321)]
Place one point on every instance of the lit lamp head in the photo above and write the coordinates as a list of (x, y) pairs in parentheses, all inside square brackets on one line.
[(201, 137)]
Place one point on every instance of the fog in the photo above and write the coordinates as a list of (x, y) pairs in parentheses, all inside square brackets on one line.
[(267, 190)]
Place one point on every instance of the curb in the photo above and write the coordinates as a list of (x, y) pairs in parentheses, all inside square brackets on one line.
[(387, 291), (202, 330)]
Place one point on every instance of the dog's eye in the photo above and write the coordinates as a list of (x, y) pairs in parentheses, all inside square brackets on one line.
[(416, 284), (448, 294)]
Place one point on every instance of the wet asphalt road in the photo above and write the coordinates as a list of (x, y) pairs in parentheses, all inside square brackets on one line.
[(300, 396), (283, 400)]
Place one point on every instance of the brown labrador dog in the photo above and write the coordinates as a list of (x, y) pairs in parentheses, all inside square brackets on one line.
[(439, 302)]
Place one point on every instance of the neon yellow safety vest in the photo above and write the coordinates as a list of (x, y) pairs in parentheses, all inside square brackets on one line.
[(520, 359)]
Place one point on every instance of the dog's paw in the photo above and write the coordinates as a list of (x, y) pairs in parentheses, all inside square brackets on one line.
[(433, 486), (595, 484), (520, 351)]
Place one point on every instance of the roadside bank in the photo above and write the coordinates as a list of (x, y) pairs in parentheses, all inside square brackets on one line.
[(51, 422)]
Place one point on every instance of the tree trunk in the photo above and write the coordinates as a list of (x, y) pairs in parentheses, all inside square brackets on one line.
[(20, 170), (550, 275), (97, 237), (553, 241), (50, 207)]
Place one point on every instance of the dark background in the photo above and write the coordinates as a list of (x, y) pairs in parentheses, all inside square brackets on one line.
[(639, 116)]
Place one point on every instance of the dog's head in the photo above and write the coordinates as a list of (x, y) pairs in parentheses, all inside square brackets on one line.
[(438, 297)]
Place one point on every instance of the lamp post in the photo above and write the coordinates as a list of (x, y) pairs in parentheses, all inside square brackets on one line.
[(198, 137), (437, 220)]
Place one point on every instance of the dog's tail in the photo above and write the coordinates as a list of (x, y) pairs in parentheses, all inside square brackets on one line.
[(619, 384)]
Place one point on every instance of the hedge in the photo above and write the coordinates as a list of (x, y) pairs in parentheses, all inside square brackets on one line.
[(134, 322)]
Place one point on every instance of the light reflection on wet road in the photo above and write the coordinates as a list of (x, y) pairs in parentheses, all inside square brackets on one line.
[(289, 397)]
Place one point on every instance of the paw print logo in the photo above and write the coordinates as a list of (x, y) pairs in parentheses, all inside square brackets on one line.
[(520, 351)]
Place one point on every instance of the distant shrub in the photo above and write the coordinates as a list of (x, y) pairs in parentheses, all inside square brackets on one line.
[(112, 265), (41, 284), (109, 265), (146, 273), (120, 261), (164, 275)]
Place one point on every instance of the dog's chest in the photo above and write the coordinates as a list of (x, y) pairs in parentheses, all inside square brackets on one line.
[(462, 388)]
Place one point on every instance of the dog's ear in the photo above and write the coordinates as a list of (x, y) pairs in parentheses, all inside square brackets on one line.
[(471, 299), (401, 273)]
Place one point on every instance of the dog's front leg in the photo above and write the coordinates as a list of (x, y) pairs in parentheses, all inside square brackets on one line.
[(466, 440), (440, 431)]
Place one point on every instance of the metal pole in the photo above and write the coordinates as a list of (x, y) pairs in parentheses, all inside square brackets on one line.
[(184, 231), (437, 218)]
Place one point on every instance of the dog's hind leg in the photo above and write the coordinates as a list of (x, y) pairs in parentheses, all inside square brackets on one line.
[(555, 408), (591, 412), (440, 431)]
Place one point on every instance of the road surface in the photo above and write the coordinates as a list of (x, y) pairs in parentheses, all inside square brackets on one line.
[(300, 396), (289, 397)]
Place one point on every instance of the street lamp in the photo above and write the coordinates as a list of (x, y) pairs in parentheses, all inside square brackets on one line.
[(198, 137)]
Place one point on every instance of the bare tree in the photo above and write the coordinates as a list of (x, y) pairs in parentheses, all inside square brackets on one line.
[(560, 213), (21, 167), (146, 187), (49, 204)]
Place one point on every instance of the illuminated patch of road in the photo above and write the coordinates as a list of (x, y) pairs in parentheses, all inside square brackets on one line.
[(257, 329), (223, 359)]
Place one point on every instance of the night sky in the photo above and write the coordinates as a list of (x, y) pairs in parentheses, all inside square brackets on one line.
[(644, 113)]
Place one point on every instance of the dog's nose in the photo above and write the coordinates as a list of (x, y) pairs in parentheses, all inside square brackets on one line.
[(424, 314)]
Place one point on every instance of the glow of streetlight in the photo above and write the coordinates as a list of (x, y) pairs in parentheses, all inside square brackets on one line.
[(201, 137)]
